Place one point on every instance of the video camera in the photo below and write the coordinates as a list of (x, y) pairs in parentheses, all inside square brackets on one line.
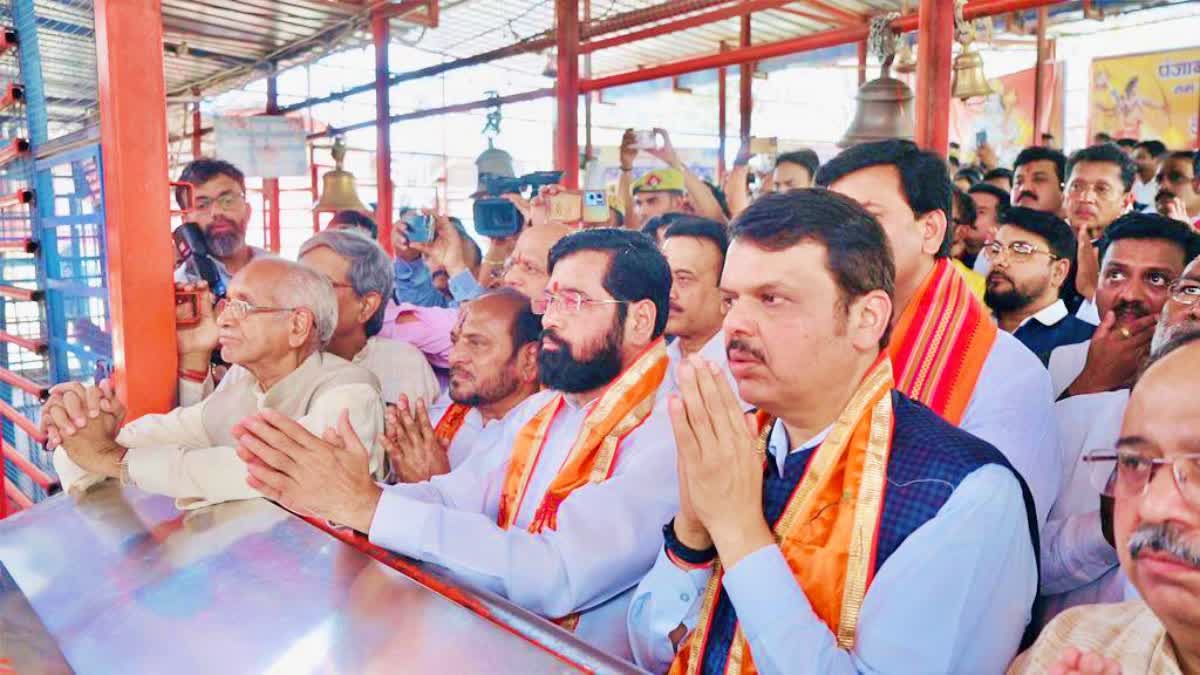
[(497, 217)]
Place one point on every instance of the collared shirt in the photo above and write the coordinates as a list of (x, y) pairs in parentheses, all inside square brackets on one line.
[(1012, 408), (713, 351), (926, 611), (1066, 363), (399, 367), (464, 287), (475, 436), (1051, 327), (607, 537), (1078, 566), (172, 454), (426, 328)]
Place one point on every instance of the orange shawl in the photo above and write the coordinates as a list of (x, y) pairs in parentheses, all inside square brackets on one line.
[(940, 343), (623, 406), (451, 421), (828, 530)]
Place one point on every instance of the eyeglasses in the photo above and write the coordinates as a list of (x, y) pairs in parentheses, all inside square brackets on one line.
[(226, 202), (1184, 291), (1125, 473), (1101, 190), (568, 302), (1019, 250), (240, 309), (523, 265)]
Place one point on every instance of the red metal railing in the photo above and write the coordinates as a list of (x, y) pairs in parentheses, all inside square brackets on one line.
[(43, 479), (18, 198), (18, 293), (14, 149), (38, 347), (23, 422)]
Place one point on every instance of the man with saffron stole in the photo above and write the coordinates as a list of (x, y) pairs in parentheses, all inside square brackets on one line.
[(843, 527), (946, 349), (562, 516)]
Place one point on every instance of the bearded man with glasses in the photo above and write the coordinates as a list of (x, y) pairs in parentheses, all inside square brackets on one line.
[(1030, 259), (275, 322), (217, 203), (1153, 477), (563, 515)]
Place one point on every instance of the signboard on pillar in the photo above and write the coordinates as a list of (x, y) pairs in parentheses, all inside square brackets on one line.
[(1006, 118), (265, 146), (1147, 96)]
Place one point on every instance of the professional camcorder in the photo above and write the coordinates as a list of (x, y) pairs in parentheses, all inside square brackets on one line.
[(497, 217)]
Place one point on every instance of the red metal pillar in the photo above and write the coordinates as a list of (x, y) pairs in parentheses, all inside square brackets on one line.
[(862, 63), (197, 123), (271, 185), (133, 142), (935, 37), (381, 33), (746, 83), (722, 94), (566, 89), (1040, 99)]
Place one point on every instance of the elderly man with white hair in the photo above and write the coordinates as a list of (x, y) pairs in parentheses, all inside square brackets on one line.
[(361, 275), (274, 323)]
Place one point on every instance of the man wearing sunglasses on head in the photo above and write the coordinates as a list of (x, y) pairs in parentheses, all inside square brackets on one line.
[(275, 322), (1031, 257), (564, 514)]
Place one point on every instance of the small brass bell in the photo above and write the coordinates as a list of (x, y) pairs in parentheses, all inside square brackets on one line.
[(884, 111), (338, 192), (968, 79), (905, 61)]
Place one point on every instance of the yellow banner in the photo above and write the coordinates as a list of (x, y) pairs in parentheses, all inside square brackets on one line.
[(1147, 96)]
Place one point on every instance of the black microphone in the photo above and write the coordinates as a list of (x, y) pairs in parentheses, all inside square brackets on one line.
[(193, 251)]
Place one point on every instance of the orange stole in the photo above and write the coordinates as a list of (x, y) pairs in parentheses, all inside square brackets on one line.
[(940, 343), (828, 530), (451, 421), (623, 406)]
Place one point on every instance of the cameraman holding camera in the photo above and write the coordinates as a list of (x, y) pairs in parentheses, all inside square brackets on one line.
[(218, 206)]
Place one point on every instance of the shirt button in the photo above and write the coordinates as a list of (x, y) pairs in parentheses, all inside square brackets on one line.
[(685, 597)]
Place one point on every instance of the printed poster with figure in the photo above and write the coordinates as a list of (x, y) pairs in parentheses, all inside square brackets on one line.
[(1006, 117), (266, 146), (1147, 96)]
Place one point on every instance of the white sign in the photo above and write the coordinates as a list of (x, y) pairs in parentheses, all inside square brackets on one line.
[(264, 146)]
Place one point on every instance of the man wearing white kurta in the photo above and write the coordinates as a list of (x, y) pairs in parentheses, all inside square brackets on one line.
[(563, 516), (277, 317)]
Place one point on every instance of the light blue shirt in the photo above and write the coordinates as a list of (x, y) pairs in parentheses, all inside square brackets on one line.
[(414, 284), (953, 598)]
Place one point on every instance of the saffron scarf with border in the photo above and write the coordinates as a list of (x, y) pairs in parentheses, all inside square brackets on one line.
[(451, 421), (829, 528), (624, 405), (940, 343)]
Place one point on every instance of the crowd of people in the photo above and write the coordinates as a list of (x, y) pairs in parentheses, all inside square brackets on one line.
[(888, 413)]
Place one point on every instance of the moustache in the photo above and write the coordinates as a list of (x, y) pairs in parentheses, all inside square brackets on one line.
[(1163, 538), (1026, 193), (1131, 309), (996, 275), (549, 334), (739, 345)]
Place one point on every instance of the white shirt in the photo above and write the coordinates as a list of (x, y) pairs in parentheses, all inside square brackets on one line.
[(1078, 566), (1012, 408), (400, 368), (982, 265), (1088, 311), (1144, 193), (1066, 364), (713, 350), (608, 533), (932, 608), (474, 436)]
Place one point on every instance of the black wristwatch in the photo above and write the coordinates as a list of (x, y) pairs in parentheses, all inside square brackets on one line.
[(688, 555)]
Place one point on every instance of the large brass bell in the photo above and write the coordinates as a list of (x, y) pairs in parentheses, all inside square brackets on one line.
[(968, 79), (338, 192), (884, 111), (492, 162)]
